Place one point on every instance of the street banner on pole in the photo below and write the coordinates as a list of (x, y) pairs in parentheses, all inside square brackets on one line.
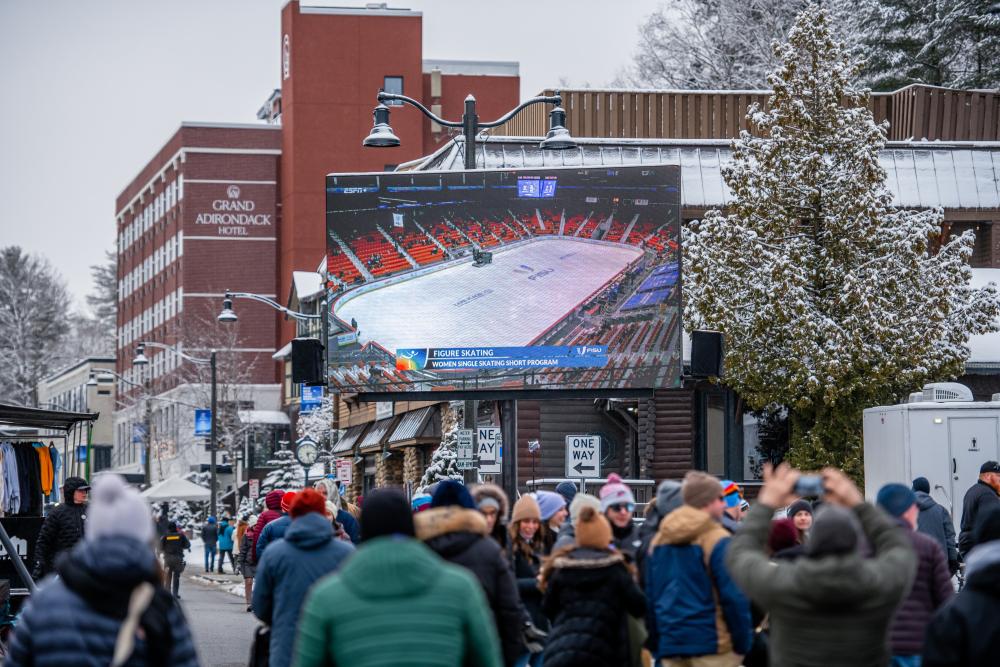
[(583, 456), (202, 423)]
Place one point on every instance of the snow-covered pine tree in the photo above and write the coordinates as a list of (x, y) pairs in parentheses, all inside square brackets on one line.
[(831, 299), (444, 460), (287, 475), (318, 425)]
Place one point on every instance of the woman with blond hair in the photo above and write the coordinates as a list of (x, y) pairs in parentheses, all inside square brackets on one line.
[(525, 554), (331, 492)]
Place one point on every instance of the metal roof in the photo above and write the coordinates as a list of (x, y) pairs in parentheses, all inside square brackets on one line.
[(373, 439), (920, 174), (346, 444), (411, 424), (19, 415), (270, 417)]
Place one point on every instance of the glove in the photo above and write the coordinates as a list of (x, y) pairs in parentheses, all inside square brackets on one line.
[(533, 638)]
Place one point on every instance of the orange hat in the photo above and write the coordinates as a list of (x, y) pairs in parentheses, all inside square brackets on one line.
[(306, 501), (526, 507), (287, 500)]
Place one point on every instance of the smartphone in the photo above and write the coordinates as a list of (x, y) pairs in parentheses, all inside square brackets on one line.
[(808, 486)]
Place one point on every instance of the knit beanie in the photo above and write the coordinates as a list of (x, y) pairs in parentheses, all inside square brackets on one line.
[(549, 502), (567, 490), (782, 535), (287, 500), (450, 492), (306, 501), (420, 503), (801, 505), (614, 492), (835, 531), (211, 519), (921, 484), (730, 493), (580, 501), (385, 512), (668, 497), (895, 499), (273, 499), (525, 508), (700, 489), (592, 530), (116, 509)]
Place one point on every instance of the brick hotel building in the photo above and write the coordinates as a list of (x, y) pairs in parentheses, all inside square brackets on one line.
[(241, 207)]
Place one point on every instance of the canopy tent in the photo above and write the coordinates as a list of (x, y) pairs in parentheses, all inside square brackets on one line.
[(176, 488), (25, 417)]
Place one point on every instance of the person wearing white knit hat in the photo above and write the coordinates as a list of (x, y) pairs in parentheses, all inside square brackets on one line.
[(117, 509)]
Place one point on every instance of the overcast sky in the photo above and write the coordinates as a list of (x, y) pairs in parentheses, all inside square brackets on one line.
[(93, 88)]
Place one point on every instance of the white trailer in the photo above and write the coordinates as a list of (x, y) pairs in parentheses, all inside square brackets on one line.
[(941, 434)]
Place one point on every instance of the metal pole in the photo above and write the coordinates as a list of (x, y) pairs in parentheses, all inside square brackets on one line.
[(214, 443), (508, 435), (147, 441), (470, 126), (469, 422), (90, 439)]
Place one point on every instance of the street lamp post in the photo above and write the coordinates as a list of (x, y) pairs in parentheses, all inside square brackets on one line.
[(141, 360), (557, 138)]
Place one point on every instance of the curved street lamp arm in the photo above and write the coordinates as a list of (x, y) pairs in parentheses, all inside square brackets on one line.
[(182, 355), (384, 97), (274, 304), (554, 99)]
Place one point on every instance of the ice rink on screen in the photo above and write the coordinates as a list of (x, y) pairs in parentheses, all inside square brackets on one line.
[(510, 302)]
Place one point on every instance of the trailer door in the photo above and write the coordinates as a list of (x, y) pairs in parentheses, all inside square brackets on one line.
[(972, 442)]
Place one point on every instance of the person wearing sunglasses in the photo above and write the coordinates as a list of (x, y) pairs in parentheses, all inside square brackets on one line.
[(618, 506)]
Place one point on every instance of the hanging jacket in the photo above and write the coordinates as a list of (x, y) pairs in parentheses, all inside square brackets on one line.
[(589, 595), (56, 467), (285, 573), (61, 530), (74, 620), (11, 485), (44, 460)]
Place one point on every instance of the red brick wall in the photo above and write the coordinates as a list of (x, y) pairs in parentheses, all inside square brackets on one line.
[(495, 96)]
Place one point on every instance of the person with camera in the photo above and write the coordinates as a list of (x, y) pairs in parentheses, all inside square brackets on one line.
[(833, 606)]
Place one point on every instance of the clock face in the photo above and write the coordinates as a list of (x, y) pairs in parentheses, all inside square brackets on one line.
[(307, 453)]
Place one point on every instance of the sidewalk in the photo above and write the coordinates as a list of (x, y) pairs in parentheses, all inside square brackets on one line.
[(231, 583)]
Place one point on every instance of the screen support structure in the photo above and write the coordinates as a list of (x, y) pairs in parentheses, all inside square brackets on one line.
[(508, 436)]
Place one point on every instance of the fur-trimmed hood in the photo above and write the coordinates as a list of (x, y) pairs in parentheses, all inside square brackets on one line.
[(443, 520), (587, 559), (480, 491)]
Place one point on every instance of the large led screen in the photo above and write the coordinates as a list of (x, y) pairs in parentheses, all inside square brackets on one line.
[(494, 280)]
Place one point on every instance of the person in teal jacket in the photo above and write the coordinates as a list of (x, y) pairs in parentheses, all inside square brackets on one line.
[(226, 543), (395, 602)]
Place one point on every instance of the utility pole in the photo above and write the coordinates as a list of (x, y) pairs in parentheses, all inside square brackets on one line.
[(215, 437)]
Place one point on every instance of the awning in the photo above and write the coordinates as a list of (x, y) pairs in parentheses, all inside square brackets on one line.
[(176, 488), (373, 439), (19, 415), (417, 427), (346, 444), (283, 352), (271, 417)]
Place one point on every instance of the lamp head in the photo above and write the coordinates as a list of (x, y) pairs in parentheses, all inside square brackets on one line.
[(227, 314), (381, 135), (140, 356), (558, 137)]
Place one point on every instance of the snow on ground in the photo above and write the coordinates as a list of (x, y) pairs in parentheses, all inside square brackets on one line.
[(510, 302)]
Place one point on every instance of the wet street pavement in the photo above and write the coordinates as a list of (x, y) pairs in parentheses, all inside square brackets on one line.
[(222, 627)]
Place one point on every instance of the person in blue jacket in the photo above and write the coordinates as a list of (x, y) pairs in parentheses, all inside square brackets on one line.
[(695, 610), (226, 530), (108, 595), (289, 568)]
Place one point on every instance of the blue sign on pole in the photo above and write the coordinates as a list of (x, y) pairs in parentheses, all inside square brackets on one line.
[(202, 422), (312, 398), (138, 434)]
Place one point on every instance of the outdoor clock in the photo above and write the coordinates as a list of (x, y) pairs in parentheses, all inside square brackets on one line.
[(306, 452)]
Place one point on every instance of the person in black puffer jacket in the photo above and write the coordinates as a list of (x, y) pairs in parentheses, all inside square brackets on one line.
[(966, 631), (589, 593), (63, 527), (81, 617), (457, 532), (985, 493)]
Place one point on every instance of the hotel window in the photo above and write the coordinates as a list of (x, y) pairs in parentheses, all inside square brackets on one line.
[(394, 85)]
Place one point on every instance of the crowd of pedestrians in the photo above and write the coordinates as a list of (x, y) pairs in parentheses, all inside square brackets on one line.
[(460, 576)]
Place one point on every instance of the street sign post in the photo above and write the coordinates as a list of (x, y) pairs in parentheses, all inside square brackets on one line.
[(583, 456), (466, 452), (345, 471), (254, 488), (489, 451)]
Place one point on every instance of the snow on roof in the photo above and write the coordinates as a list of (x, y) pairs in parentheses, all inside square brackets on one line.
[(920, 174), (308, 284), (264, 417)]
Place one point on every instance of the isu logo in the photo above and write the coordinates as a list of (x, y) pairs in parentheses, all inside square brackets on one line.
[(233, 192)]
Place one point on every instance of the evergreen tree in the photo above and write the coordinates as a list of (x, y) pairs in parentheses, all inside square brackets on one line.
[(444, 460), (287, 475), (831, 299)]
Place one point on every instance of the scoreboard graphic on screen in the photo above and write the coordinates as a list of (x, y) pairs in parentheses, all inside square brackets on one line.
[(582, 291)]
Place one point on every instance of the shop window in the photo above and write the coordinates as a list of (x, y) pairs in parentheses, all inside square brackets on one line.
[(394, 85), (368, 484)]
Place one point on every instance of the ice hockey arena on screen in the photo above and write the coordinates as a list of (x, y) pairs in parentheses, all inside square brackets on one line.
[(504, 259)]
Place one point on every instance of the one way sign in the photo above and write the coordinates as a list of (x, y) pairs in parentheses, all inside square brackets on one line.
[(489, 450), (583, 456)]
